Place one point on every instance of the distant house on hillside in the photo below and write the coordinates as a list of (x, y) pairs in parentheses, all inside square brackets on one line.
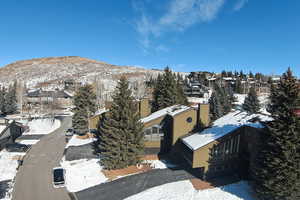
[(59, 97)]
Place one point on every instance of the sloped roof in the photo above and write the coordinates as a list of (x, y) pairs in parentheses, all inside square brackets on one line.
[(172, 110), (222, 127)]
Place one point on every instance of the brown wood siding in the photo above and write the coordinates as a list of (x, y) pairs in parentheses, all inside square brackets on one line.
[(181, 126)]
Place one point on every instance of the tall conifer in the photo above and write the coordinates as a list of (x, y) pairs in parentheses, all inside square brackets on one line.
[(85, 106), (121, 132), (168, 91), (276, 172), (251, 103), (11, 99)]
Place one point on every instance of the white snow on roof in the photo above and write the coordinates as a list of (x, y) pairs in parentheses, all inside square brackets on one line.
[(211, 79), (223, 126), (198, 100), (2, 127), (69, 93), (101, 111), (172, 110), (74, 141), (227, 78)]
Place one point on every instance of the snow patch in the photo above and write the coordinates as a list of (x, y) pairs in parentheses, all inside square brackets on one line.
[(41, 126), (8, 169), (28, 142), (82, 174), (184, 190), (74, 141)]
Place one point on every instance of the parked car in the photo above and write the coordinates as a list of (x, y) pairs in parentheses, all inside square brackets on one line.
[(69, 132), (16, 147), (58, 177)]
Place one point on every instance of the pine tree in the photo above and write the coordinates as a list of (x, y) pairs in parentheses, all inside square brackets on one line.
[(251, 75), (121, 132), (181, 97), (276, 172), (167, 91), (11, 100), (2, 100), (251, 103), (216, 109), (85, 106), (238, 86)]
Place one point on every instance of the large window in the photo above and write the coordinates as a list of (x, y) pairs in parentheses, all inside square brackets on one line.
[(153, 133)]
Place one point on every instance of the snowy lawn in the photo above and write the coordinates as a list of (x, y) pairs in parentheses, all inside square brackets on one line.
[(28, 142), (74, 141), (184, 190), (82, 174), (41, 126), (8, 168), (159, 164)]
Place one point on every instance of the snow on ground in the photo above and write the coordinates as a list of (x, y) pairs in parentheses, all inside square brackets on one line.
[(223, 126), (28, 142), (240, 98), (8, 169), (41, 126), (184, 190), (74, 141), (159, 164), (82, 174)]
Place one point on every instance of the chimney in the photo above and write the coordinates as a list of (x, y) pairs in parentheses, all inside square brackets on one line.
[(144, 108), (203, 115)]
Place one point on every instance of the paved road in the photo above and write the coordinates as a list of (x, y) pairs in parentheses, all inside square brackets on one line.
[(128, 186), (34, 178)]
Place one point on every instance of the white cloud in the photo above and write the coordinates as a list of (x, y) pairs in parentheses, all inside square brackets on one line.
[(239, 5), (179, 15), (162, 48)]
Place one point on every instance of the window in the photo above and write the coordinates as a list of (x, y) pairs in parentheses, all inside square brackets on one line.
[(189, 120), (154, 130)]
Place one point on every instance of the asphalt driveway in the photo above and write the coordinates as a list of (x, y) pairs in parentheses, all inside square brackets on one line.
[(130, 185), (34, 178)]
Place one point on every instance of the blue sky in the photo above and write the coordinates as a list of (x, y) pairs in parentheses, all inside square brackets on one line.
[(187, 35)]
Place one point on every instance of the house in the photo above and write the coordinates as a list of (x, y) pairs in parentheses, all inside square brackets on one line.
[(61, 98), (225, 146), (163, 129), (9, 131)]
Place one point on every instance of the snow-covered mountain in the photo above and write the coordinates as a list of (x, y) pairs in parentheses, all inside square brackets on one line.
[(41, 71)]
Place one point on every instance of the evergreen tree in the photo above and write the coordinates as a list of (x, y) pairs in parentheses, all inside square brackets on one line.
[(168, 91), (251, 103), (181, 97), (2, 100), (276, 172), (251, 75), (216, 109), (85, 106), (238, 86), (121, 132), (11, 100)]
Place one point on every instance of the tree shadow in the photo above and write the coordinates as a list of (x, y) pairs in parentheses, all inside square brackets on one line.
[(4, 188)]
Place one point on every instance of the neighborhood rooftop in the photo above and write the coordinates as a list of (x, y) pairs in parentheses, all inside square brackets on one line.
[(223, 126), (172, 110)]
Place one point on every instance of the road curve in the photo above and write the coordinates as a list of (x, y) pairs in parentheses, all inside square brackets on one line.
[(34, 178)]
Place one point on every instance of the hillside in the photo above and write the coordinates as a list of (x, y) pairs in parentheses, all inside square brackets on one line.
[(35, 72)]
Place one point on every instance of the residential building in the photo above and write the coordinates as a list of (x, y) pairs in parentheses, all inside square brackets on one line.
[(9, 131)]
